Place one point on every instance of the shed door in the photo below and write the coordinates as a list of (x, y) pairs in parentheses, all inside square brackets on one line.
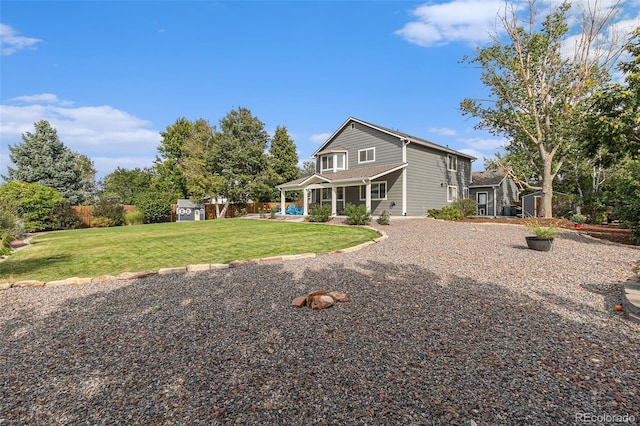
[(482, 203), (196, 213)]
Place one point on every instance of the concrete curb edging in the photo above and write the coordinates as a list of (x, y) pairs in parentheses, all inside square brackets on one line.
[(126, 276)]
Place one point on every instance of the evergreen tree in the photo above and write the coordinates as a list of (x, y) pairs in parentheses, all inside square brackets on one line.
[(43, 159), (283, 159)]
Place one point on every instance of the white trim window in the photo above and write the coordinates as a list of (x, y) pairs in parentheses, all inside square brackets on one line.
[(452, 193), (333, 162), (378, 191), (452, 163), (366, 155), (465, 192), (326, 163)]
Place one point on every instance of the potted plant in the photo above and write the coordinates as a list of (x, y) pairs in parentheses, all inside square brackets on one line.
[(542, 238), (578, 220)]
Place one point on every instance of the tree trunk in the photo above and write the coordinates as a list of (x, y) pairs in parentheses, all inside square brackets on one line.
[(547, 188), (223, 213)]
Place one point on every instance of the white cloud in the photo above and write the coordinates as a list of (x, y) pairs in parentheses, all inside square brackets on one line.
[(471, 21), (110, 137), (439, 24), (484, 144), (45, 98), (320, 137), (10, 42), (442, 131)]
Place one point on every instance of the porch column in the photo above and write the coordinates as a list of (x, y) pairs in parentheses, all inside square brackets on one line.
[(334, 201), (306, 202), (367, 199), (283, 200)]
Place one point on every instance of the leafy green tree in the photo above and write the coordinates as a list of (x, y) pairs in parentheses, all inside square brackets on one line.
[(308, 168), (124, 186), (238, 160), (198, 144), (34, 203), (88, 177), (169, 173), (283, 161), (41, 158), (537, 93), (615, 121), (625, 187)]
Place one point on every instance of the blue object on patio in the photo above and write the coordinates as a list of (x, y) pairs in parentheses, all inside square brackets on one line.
[(291, 209)]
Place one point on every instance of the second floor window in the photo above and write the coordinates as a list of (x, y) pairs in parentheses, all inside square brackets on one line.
[(452, 163), (332, 162), (327, 162), (367, 155)]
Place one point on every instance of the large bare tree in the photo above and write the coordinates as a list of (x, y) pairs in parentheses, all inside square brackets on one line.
[(539, 76)]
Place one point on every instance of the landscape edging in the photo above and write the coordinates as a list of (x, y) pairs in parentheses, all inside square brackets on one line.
[(126, 276)]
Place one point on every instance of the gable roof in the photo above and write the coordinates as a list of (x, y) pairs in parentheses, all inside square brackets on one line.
[(487, 178), (366, 173), (395, 133)]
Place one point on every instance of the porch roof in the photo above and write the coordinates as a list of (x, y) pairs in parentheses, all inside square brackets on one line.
[(344, 176)]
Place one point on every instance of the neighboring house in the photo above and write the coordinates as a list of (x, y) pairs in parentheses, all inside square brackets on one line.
[(187, 210), (363, 163), (494, 192)]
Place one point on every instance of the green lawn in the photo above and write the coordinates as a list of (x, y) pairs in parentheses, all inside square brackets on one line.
[(110, 251)]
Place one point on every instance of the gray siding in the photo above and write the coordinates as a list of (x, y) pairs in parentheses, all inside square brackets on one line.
[(428, 179), (388, 149), (505, 195), (394, 193)]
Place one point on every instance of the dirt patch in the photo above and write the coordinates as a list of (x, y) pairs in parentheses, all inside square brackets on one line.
[(615, 233)]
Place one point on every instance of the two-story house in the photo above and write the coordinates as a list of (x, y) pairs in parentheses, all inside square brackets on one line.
[(363, 163)]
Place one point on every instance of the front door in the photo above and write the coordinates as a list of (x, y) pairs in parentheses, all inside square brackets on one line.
[(482, 203)]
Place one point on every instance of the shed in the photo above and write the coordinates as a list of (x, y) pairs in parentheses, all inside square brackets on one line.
[(187, 210), (494, 191)]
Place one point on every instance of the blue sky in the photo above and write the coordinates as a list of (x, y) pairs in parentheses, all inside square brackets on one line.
[(110, 75)]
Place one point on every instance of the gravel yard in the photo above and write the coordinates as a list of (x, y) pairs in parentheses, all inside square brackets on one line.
[(448, 323)]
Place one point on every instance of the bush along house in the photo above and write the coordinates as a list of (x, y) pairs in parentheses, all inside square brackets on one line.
[(384, 169)]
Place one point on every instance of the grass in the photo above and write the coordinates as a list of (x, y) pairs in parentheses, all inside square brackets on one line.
[(110, 251)]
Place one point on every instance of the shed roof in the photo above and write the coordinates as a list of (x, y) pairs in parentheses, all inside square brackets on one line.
[(487, 178)]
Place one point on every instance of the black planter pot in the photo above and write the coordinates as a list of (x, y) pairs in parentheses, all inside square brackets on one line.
[(539, 244)]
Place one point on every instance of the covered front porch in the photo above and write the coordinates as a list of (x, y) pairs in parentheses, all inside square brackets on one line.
[(361, 186)]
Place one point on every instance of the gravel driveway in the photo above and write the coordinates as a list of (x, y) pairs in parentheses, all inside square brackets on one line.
[(449, 323)]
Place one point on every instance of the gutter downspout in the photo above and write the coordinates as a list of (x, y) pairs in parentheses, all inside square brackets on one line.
[(405, 142)]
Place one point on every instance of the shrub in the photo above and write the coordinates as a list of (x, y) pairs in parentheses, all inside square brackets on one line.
[(31, 202), (10, 229), (102, 222), (542, 231), (65, 217), (135, 217), (467, 206), (578, 218), (447, 213), (320, 213), (155, 207), (384, 218), (111, 210), (357, 215)]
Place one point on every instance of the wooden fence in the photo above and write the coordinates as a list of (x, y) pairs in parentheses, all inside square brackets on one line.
[(85, 213)]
